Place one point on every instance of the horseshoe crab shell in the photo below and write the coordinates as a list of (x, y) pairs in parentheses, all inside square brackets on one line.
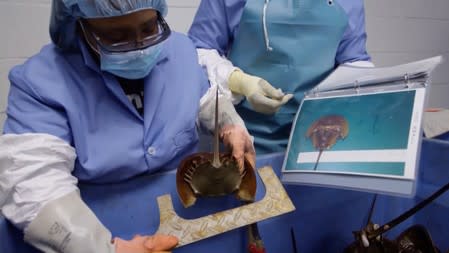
[(196, 177)]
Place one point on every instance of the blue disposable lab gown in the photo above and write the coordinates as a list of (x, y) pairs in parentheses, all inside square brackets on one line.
[(308, 39), (68, 96)]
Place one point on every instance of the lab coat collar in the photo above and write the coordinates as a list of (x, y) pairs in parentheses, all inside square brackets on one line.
[(89, 60)]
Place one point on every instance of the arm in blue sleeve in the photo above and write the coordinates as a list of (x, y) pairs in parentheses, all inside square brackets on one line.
[(353, 45), (216, 23), (27, 112)]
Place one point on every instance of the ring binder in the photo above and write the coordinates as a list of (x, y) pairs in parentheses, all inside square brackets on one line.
[(344, 77), (383, 108), (311, 93), (407, 80), (357, 86)]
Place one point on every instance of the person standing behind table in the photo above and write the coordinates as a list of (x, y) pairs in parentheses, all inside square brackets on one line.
[(249, 46), (69, 119)]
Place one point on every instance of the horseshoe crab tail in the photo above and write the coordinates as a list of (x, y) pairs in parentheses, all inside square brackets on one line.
[(318, 159), (255, 244), (216, 162)]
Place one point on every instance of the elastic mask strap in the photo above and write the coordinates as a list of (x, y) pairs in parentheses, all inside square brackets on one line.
[(265, 30)]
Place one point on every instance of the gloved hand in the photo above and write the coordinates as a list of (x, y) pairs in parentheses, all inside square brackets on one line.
[(262, 97), (67, 225), (237, 138), (146, 244), (232, 132)]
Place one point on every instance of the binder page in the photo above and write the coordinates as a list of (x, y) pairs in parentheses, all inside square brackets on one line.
[(346, 76), (370, 135)]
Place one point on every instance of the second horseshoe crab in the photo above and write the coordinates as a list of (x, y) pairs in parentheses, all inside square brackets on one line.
[(415, 239)]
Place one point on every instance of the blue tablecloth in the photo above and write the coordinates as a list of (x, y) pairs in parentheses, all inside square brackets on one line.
[(323, 221)]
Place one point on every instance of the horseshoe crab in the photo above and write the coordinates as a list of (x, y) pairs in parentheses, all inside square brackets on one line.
[(325, 132), (197, 177), (415, 239), (216, 174)]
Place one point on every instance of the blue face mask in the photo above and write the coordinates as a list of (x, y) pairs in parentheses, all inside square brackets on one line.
[(131, 65)]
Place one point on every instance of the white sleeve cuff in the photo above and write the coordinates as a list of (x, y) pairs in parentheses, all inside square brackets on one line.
[(364, 64), (218, 71), (34, 169)]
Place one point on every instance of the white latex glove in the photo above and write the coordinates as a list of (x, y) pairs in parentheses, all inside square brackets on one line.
[(261, 95), (237, 139), (67, 225)]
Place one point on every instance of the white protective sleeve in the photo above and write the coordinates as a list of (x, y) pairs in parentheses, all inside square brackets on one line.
[(219, 68), (34, 169)]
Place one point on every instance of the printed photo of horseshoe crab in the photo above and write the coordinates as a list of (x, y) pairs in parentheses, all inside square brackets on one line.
[(362, 134)]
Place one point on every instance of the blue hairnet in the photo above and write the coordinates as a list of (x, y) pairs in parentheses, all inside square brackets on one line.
[(64, 14)]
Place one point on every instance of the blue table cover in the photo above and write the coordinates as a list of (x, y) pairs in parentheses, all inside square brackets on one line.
[(322, 222)]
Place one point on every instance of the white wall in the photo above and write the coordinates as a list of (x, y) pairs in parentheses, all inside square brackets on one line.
[(23, 29), (399, 31)]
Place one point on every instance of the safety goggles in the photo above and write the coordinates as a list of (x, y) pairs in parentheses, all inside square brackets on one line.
[(162, 33)]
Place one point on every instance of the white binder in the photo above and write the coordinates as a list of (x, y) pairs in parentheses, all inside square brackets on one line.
[(360, 129)]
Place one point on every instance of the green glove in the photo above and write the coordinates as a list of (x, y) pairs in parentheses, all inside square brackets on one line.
[(261, 95)]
